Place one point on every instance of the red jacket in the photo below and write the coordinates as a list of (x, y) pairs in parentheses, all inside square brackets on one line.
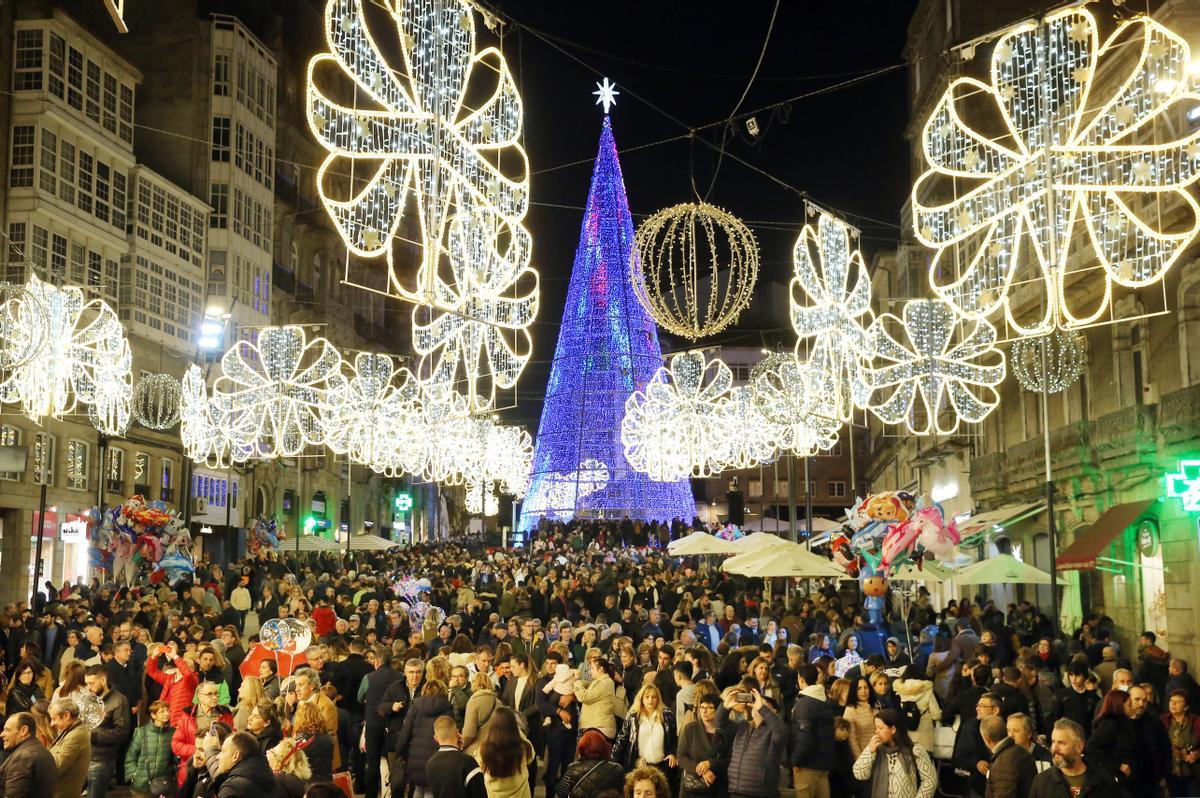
[(326, 620), (178, 693), (183, 744)]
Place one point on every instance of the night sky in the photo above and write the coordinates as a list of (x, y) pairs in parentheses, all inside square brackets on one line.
[(684, 65)]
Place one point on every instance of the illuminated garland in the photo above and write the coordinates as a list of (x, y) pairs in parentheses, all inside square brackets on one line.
[(1064, 361), (1072, 175)]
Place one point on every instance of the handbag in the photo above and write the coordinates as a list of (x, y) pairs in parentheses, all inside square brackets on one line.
[(163, 786), (342, 780), (694, 784)]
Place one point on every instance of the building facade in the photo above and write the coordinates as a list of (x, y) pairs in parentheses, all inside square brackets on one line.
[(1122, 546)]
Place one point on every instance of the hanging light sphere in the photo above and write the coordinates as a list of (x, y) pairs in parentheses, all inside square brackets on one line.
[(1064, 361), (694, 268), (156, 399)]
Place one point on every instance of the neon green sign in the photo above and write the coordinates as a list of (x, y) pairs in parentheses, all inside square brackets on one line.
[(1184, 485), (403, 502)]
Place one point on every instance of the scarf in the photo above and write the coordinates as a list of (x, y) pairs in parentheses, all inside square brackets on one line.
[(881, 779)]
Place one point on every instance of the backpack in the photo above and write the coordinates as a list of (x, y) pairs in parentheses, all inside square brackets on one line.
[(911, 713)]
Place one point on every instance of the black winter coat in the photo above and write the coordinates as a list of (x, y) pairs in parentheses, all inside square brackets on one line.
[(415, 742), (250, 778), (588, 778), (811, 733), (1113, 743), (1052, 784), (319, 750), (696, 746)]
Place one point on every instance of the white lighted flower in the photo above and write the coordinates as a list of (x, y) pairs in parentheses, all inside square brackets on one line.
[(365, 411), (831, 309), (1071, 182), (274, 388), (937, 370)]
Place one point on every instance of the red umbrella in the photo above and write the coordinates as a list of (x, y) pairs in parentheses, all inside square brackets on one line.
[(286, 662)]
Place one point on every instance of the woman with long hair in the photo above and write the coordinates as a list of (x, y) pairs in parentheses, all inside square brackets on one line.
[(893, 764), (41, 715), (290, 766), (23, 690), (263, 724), (593, 771), (839, 695), (481, 709), (647, 735), (704, 749), (72, 681), (760, 671), (860, 711), (250, 694), (1183, 730), (819, 646), (416, 742), (881, 688), (1114, 738), (308, 732), (504, 757)]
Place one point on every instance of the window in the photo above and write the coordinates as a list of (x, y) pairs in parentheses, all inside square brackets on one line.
[(75, 78), (20, 174), (781, 488), (39, 252), (28, 73), (78, 257), (77, 465), (58, 66), (241, 143), (86, 170), (167, 468), (221, 74), (837, 489), (43, 458), (220, 139), (103, 181), (141, 469), (110, 102), (217, 263), (219, 199), (755, 489), (92, 107), (66, 172), (10, 436), (114, 470), (16, 245), (47, 181), (118, 199), (126, 111), (58, 256)]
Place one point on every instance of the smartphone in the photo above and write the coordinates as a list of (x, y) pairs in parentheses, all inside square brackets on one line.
[(743, 697)]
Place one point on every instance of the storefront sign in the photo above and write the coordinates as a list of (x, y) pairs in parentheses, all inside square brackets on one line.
[(73, 531), (1148, 538), (206, 530)]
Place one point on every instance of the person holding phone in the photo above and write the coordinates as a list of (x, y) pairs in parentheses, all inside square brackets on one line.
[(758, 744)]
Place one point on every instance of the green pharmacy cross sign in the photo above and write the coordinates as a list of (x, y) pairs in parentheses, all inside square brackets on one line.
[(404, 502), (1184, 485)]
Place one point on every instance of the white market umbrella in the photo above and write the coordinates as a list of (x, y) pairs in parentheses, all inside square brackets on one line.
[(928, 572), (370, 543), (819, 525), (700, 542), (787, 559), (308, 543), (757, 540), (1001, 569)]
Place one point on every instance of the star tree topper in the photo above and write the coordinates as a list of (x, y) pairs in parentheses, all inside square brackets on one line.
[(606, 94)]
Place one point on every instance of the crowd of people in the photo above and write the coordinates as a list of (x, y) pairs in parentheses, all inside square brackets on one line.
[(589, 663)]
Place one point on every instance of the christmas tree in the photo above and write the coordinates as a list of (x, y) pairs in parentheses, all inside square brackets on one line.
[(607, 348)]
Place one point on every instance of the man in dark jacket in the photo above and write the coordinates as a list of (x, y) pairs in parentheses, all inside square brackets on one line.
[(1071, 777), (243, 771), (1182, 680), (1012, 700), (28, 770), (451, 773), (811, 752), (758, 746), (371, 692), (1075, 702), (1011, 772), (962, 704), (110, 735), (1153, 663)]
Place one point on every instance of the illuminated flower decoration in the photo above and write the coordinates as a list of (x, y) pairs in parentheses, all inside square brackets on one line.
[(82, 357), (205, 430), (509, 457), (948, 363), (112, 407), (408, 133), (749, 438), (23, 326), (831, 309), (448, 431), (481, 498), (274, 389), (364, 413), (478, 324), (1075, 176), (673, 428)]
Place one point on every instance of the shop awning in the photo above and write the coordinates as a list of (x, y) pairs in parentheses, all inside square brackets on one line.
[(997, 519), (1084, 550)]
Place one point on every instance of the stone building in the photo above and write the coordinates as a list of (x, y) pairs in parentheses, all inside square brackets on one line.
[(1123, 547)]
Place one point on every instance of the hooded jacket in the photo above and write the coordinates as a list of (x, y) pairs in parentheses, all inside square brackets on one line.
[(1153, 668), (920, 692), (812, 730)]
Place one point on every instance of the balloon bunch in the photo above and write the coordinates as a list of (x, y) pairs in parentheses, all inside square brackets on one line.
[(285, 636), (137, 535), (729, 532), (264, 537)]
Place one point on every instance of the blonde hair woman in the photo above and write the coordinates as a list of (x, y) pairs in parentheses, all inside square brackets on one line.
[(250, 695), (438, 670), (290, 766), (481, 707), (648, 734), (310, 736)]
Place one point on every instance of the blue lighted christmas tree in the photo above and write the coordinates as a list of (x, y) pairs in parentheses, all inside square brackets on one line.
[(607, 348)]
